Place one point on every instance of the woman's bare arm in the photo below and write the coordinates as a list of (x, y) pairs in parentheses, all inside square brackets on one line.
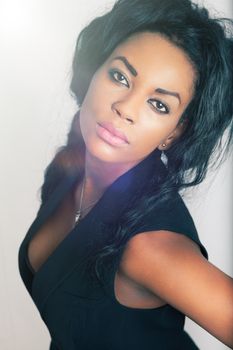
[(171, 266)]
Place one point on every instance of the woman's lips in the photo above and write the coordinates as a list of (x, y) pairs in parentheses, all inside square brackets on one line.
[(108, 133)]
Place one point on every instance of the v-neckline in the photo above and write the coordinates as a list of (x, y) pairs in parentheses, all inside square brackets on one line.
[(68, 253), (53, 276), (48, 209)]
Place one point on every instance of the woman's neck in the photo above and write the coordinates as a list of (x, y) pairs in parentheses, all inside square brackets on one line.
[(100, 175)]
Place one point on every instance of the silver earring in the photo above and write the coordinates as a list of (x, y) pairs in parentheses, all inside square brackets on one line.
[(164, 158)]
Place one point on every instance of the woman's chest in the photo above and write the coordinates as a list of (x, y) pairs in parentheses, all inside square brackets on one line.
[(50, 235)]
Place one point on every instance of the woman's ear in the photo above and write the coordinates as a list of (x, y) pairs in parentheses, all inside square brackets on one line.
[(174, 135)]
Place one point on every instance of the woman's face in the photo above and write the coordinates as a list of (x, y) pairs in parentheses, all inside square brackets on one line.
[(135, 99)]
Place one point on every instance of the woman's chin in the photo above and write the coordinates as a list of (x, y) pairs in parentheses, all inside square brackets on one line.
[(106, 153)]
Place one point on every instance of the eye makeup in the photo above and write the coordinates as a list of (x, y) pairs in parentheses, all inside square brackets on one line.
[(116, 76), (160, 106), (113, 73)]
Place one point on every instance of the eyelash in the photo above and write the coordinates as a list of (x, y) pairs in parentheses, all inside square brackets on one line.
[(112, 72)]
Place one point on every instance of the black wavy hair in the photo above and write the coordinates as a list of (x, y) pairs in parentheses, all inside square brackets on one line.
[(208, 44)]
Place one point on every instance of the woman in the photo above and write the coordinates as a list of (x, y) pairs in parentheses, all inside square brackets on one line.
[(113, 259)]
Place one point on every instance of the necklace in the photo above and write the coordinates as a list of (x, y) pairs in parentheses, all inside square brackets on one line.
[(80, 210)]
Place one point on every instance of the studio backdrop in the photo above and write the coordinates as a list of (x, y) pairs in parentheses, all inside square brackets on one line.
[(37, 41)]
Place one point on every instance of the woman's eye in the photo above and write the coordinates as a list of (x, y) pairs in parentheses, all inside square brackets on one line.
[(119, 77), (160, 107)]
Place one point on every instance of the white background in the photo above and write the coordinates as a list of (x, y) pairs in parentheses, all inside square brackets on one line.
[(37, 39)]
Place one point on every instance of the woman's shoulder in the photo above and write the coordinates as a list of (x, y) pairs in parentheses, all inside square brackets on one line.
[(173, 216)]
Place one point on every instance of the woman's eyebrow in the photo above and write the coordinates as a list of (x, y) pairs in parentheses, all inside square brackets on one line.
[(171, 93), (127, 64), (135, 73)]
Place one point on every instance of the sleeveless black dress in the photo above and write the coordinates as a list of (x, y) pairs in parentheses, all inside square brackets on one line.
[(80, 312)]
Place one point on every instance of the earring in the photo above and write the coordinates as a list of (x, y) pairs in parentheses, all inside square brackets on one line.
[(164, 145), (164, 158)]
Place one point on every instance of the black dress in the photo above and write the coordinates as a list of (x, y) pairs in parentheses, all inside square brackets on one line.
[(80, 312)]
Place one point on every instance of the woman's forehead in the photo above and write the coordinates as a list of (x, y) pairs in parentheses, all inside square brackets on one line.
[(150, 47)]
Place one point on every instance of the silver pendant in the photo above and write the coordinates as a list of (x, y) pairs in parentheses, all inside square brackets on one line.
[(77, 217), (164, 158)]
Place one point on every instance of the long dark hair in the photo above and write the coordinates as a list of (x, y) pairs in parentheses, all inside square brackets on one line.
[(208, 44)]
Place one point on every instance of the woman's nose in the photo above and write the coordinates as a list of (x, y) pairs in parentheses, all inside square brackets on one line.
[(124, 111)]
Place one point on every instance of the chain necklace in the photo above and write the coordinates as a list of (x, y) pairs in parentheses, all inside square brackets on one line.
[(80, 210)]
